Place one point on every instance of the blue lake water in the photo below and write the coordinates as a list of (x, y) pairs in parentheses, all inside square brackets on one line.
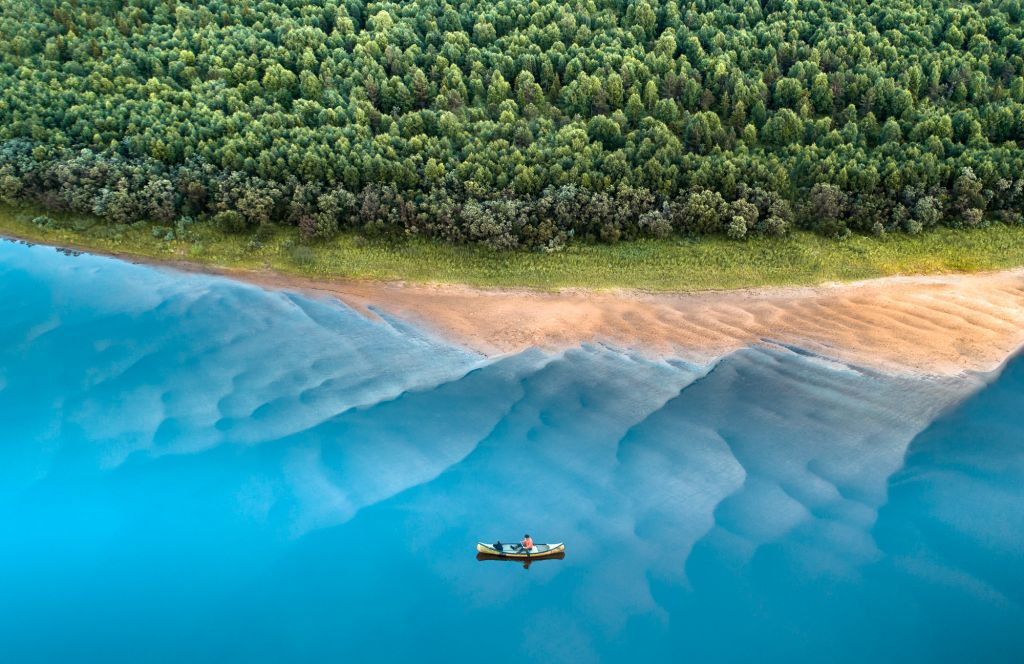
[(194, 469)]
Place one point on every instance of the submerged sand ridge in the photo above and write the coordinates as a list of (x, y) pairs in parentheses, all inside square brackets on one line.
[(939, 325)]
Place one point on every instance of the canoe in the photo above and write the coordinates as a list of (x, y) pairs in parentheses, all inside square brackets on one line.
[(513, 551), (524, 561)]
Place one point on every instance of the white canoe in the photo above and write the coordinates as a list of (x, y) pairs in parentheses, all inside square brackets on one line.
[(516, 551)]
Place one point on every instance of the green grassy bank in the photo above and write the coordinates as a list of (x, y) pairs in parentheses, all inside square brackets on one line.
[(679, 264)]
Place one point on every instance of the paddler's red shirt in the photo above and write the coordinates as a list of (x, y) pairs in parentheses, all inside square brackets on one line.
[(528, 543)]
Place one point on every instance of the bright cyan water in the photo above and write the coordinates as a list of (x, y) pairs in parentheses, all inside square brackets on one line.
[(193, 469)]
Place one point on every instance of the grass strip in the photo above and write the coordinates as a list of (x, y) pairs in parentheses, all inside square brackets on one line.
[(657, 265)]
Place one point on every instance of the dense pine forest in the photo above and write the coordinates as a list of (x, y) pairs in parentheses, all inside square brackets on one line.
[(517, 124)]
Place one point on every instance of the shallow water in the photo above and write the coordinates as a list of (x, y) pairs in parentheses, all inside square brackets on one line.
[(196, 469)]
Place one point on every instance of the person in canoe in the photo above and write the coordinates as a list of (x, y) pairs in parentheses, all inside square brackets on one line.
[(526, 544)]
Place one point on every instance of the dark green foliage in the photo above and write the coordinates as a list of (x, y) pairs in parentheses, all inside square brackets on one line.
[(230, 221), (517, 124), (702, 212), (826, 209)]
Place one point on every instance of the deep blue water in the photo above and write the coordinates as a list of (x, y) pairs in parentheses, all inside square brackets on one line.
[(193, 469)]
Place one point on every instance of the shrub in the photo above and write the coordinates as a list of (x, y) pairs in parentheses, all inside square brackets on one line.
[(826, 210), (774, 227), (656, 223), (737, 229), (230, 221), (702, 212)]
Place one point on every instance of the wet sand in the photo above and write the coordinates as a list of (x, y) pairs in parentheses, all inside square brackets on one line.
[(936, 325)]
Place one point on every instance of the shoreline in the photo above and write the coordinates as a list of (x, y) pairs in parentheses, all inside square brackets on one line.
[(930, 325), (939, 326)]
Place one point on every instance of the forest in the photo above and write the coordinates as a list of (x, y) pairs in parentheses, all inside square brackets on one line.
[(514, 123)]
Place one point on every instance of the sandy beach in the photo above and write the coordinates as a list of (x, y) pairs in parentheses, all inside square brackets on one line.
[(934, 325), (938, 325)]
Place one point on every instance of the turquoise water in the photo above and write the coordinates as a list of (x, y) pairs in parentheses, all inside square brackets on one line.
[(193, 469)]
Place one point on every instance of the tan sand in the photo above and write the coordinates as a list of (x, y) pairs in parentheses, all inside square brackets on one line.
[(940, 325), (937, 325)]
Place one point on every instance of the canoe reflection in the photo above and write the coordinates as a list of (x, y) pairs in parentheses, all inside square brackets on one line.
[(526, 562)]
